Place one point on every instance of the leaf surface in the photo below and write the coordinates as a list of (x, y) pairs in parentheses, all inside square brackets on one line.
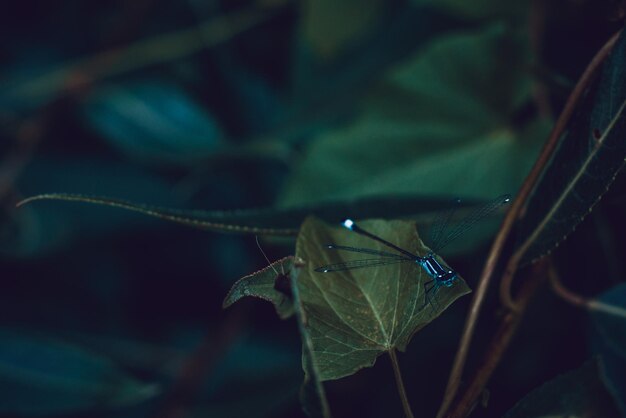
[(354, 316)]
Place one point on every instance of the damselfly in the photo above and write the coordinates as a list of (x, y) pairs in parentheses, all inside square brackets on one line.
[(440, 275)]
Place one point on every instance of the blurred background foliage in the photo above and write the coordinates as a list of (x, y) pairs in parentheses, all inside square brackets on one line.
[(276, 104)]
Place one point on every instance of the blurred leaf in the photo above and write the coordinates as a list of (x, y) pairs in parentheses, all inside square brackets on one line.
[(40, 376), (274, 221), (481, 9), (576, 394), (166, 47), (354, 316), (584, 165), (153, 121), (329, 26), (263, 284), (610, 342), (312, 394), (444, 122)]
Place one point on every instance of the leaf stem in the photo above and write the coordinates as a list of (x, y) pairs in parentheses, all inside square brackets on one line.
[(400, 383)]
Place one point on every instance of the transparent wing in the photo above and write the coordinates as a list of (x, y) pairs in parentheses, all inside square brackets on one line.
[(471, 219), (365, 251), (441, 223), (358, 264)]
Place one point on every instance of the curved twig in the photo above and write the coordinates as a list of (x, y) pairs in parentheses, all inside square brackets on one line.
[(516, 211)]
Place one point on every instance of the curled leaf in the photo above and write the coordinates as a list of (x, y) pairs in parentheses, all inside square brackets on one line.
[(271, 284)]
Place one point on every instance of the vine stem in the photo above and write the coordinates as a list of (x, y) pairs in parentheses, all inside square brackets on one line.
[(499, 342), (516, 211), (400, 383)]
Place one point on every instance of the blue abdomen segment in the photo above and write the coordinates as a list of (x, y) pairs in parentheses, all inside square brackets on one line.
[(442, 275)]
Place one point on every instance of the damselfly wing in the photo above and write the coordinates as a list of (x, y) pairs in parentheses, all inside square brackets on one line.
[(440, 237)]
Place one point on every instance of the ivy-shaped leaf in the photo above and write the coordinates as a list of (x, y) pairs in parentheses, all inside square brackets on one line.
[(354, 316)]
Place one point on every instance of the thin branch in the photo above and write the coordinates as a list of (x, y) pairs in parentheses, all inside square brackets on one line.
[(516, 211), (499, 343), (400, 383)]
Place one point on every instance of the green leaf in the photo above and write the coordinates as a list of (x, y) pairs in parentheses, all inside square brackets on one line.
[(579, 393), (481, 9), (43, 376), (354, 316), (330, 26), (154, 121), (444, 122), (312, 394), (265, 284), (587, 159)]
